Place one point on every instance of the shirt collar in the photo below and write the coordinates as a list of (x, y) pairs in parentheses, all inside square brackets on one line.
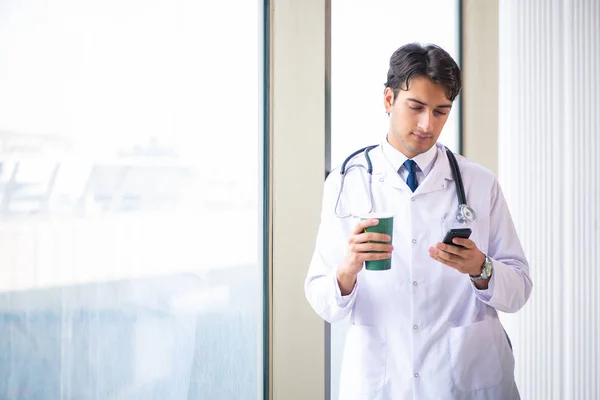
[(424, 161)]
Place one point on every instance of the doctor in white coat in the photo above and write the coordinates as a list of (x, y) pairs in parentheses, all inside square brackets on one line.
[(428, 328)]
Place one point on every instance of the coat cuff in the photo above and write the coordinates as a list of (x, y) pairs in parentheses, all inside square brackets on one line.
[(486, 295), (344, 301)]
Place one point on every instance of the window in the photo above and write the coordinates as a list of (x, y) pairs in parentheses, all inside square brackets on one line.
[(130, 226), (362, 40)]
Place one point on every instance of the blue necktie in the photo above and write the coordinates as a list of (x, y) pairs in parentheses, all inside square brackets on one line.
[(411, 180)]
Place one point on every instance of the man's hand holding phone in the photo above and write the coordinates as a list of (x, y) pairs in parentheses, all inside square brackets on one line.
[(456, 250)]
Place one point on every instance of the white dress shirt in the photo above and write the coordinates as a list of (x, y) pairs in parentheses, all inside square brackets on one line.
[(424, 161)]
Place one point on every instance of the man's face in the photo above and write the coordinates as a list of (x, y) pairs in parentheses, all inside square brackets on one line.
[(417, 115)]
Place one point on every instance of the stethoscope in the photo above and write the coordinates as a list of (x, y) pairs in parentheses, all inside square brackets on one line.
[(465, 213)]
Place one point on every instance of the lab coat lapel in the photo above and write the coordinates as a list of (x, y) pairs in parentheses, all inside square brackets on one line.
[(440, 174), (383, 171)]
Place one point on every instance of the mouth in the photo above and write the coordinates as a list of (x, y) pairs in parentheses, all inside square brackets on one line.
[(421, 137)]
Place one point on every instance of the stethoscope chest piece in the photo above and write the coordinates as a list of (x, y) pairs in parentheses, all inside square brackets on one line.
[(465, 214)]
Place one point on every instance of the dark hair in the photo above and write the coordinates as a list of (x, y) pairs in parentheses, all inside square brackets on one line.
[(432, 61)]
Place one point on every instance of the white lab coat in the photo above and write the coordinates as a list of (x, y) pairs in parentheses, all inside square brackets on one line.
[(421, 330)]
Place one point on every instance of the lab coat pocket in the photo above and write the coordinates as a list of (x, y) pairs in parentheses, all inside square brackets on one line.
[(364, 360), (474, 356), (450, 222)]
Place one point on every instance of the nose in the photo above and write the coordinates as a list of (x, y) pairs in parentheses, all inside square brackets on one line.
[(425, 122)]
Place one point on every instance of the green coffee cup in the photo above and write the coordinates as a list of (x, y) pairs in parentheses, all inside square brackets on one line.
[(385, 225)]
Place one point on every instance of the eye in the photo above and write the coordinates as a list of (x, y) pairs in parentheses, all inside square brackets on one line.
[(438, 112), (416, 108)]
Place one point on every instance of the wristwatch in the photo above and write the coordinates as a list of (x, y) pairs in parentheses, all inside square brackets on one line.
[(486, 270)]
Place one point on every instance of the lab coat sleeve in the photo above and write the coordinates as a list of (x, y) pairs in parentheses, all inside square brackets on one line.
[(321, 285), (510, 284)]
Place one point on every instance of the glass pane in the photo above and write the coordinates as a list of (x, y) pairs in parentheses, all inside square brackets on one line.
[(359, 65), (129, 238), (360, 61)]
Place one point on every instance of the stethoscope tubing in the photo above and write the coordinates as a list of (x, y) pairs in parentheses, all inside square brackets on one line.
[(460, 189)]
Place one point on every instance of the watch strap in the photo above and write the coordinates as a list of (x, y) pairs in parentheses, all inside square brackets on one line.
[(486, 270)]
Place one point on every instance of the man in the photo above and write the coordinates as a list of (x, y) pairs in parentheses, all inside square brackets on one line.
[(428, 328)]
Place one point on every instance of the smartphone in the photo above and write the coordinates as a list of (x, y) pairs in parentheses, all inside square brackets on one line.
[(458, 232)]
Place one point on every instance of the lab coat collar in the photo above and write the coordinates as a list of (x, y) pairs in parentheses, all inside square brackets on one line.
[(385, 171)]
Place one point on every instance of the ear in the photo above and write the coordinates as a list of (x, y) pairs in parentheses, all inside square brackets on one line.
[(388, 99)]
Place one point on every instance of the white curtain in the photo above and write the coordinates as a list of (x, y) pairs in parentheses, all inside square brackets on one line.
[(549, 146)]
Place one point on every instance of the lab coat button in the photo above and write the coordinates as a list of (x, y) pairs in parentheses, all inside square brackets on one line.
[(415, 283), (415, 327), (381, 179), (414, 241), (416, 375), (412, 199)]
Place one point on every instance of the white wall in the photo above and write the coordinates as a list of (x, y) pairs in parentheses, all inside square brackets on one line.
[(549, 126)]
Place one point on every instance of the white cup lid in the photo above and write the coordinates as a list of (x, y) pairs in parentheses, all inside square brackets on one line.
[(378, 215)]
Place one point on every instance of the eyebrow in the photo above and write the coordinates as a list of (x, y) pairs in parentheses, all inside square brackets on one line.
[(425, 104)]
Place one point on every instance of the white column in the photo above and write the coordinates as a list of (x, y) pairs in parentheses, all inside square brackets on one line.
[(297, 154), (549, 129)]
